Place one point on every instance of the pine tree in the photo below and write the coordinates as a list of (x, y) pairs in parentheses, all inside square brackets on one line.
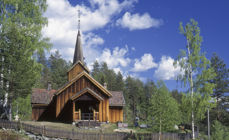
[(221, 80), (119, 83), (58, 68), (96, 68), (45, 73), (217, 131)]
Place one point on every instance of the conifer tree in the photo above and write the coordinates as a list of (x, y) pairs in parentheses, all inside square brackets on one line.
[(221, 80), (164, 110)]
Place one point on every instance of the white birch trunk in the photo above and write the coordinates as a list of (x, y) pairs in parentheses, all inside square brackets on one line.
[(192, 92)]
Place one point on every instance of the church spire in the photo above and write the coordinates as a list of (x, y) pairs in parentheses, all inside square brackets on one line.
[(78, 54)]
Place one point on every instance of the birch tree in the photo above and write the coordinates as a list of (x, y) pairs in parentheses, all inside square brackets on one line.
[(21, 22), (196, 74)]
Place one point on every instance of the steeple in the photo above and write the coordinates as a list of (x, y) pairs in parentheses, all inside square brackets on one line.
[(78, 54)]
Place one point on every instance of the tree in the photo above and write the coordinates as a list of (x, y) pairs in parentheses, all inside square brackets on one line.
[(196, 72), (164, 110), (58, 68), (149, 89), (221, 80), (131, 94), (20, 39)]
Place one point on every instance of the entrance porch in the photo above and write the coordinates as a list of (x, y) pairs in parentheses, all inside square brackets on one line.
[(88, 105)]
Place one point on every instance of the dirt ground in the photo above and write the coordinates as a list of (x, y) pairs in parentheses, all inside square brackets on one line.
[(11, 135), (106, 128)]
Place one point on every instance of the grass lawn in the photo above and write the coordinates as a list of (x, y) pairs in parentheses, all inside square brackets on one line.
[(12, 135)]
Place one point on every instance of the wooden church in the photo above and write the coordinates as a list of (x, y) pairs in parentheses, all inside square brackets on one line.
[(81, 98)]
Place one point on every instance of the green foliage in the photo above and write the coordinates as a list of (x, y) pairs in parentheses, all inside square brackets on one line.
[(103, 74), (222, 76), (58, 68), (135, 98), (222, 84), (164, 110), (218, 132), (54, 71), (23, 106), (21, 23)]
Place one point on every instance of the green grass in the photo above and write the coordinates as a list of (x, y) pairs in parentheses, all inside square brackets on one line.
[(140, 130)]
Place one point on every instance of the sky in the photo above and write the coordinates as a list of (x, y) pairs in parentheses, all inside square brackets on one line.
[(139, 38)]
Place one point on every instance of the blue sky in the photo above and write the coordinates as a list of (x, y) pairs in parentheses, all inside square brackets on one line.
[(139, 38)]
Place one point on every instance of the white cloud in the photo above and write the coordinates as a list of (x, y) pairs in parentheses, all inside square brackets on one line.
[(166, 70), (144, 64), (115, 58), (136, 21)]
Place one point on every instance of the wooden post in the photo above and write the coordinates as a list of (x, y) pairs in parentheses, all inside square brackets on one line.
[(79, 114), (107, 110), (94, 114), (100, 111), (104, 111)]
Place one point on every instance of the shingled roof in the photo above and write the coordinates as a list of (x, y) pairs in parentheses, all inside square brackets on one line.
[(117, 99), (42, 96)]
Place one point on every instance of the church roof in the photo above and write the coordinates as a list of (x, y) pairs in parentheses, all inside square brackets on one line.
[(78, 54), (117, 99), (42, 96)]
